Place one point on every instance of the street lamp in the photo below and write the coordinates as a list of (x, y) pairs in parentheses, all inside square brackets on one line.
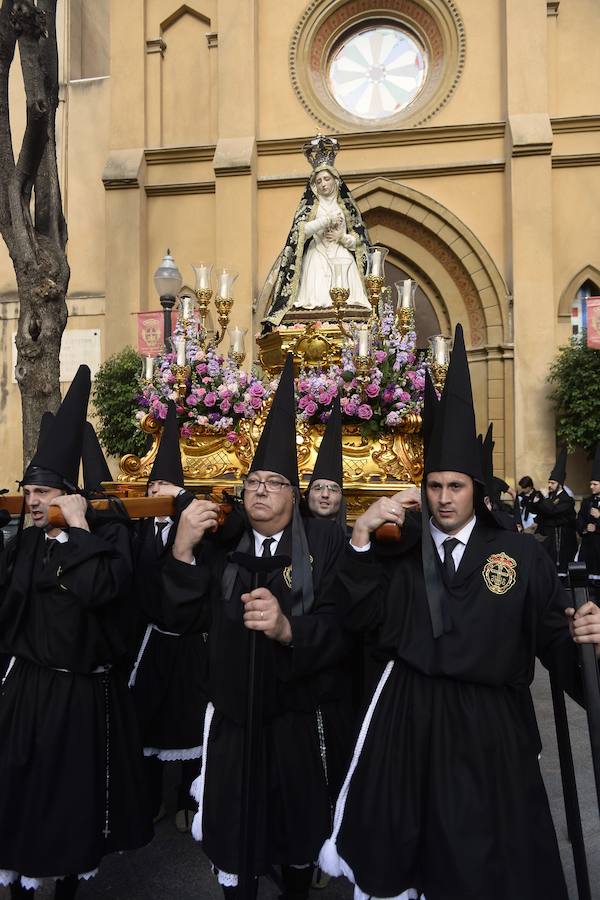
[(167, 281)]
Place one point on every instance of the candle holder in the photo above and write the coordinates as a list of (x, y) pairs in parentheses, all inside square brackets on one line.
[(439, 348), (405, 307), (340, 290), (224, 306), (203, 292), (181, 373), (362, 364), (374, 284), (203, 296)]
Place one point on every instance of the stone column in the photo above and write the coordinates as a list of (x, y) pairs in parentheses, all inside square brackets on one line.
[(124, 176), (529, 220), (235, 155)]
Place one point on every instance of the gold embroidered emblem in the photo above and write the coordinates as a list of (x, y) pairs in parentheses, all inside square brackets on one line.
[(287, 574), (500, 573)]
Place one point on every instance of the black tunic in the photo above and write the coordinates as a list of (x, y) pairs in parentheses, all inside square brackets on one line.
[(294, 798), (65, 622), (169, 683), (446, 797), (556, 521), (589, 552)]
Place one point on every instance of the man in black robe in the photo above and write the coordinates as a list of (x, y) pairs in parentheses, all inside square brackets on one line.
[(325, 494), (588, 526), (302, 646), (168, 674), (556, 518), (444, 797), (71, 779)]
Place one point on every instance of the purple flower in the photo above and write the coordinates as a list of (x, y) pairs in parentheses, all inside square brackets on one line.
[(380, 356), (257, 389), (239, 408), (364, 411), (371, 390), (210, 399)]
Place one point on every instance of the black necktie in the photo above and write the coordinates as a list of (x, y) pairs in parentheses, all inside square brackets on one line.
[(449, 567), (158, 537), (49, 550), (266, 546)]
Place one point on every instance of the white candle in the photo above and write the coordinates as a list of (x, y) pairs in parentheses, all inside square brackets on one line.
[(149, 370), (376, 262), (406, 294), (236, 336), (202, 278), (186, 307), (224, 279), (440, 349), (363, 341), (181, 353)]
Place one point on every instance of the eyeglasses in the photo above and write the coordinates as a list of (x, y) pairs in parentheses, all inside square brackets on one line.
[(272, 485), (332, 488)]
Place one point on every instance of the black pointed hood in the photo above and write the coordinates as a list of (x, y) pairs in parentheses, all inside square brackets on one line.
[(95, 468), (276, 449), (328, 463), (167, 465), (487, 459), (595, 476), (453, 445), (430, 405), (61, 438), (559, 472)]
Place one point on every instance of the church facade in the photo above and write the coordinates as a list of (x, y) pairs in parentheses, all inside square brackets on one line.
[(469, 136)]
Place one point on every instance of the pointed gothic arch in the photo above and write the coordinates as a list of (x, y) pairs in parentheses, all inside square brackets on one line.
[(183, 10), (588, 273)]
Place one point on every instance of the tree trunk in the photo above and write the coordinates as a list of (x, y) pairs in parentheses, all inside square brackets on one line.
[(36, 241)]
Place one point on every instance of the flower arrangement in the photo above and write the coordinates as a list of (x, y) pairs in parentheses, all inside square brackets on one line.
[(378, 398), (218, 395)]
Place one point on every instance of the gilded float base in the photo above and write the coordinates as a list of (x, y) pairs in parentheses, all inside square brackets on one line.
[(372, 466)]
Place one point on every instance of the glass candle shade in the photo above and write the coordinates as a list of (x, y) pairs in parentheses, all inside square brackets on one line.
[(203, 272)]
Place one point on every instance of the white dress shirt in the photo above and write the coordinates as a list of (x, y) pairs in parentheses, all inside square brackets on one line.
[(62, 537), (165, 531), (259, 539), (461, 536)]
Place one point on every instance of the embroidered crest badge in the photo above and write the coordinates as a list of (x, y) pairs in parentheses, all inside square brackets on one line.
[(287, 574), (500, 572)]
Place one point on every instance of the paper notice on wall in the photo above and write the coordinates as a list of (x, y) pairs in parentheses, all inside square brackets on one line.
[(77, 347)]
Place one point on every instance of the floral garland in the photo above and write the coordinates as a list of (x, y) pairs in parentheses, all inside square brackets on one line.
[(218, 395)]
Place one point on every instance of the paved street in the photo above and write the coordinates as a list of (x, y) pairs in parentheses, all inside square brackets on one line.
[(174, 868)]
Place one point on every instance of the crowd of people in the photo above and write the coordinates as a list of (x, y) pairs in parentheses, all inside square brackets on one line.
[(340, 701)]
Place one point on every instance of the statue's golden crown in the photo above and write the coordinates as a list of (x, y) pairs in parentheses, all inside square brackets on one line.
[(321, 151)]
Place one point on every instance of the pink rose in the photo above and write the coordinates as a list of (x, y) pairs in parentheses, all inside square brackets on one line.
[(238, 408), (257, 390), (192, 400), (364, 411), (350, 408), (310, 408), (255, 402), (380, 356), (225, 406), (372, 390), (210, 399)]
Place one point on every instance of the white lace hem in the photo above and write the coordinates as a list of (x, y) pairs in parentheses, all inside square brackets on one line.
[(7, 877), (197, 788), (174, 755), (226, 879)]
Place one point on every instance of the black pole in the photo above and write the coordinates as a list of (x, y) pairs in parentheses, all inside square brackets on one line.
[(569, 786), (259, 567), (590, 674), (167, 301)]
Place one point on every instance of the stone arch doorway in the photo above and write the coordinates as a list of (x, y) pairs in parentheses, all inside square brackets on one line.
[(462, 283)]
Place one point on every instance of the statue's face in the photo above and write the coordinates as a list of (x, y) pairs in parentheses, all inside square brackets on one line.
[(325, 183)]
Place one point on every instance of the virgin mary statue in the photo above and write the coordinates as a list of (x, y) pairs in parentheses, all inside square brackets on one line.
[(327, 226)]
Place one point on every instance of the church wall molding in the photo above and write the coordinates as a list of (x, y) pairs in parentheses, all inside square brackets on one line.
[(183, 10), (575, 160), (359, 176), (158, 156), (180, 189)]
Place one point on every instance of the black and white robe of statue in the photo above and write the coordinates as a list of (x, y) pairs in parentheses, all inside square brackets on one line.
[(169, 671), (72, 787), (304, 685), (444, 798), (556, 520), (589, 551)]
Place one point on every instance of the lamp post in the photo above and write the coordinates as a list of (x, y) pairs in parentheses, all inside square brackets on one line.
[(167, 281)]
